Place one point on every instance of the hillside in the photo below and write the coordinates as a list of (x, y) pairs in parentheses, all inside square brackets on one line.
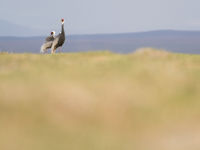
[(12, 29), (174, 41), (147, 100)]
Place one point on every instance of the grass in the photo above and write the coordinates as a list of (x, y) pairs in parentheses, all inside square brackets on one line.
[(148, 100)]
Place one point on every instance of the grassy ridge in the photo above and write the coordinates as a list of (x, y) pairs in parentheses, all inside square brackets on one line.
[(148, 100)]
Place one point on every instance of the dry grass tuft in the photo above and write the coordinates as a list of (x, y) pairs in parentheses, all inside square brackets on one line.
[(148, 100)]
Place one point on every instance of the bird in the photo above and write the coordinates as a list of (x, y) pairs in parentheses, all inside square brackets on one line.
[(59, 40), (48, 42)]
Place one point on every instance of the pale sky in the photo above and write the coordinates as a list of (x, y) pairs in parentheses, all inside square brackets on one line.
[(103, 16)]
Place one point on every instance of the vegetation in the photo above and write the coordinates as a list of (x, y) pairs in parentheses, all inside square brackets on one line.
[(148, 100)]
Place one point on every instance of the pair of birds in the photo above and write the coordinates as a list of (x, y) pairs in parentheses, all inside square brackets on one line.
[(53, 41)]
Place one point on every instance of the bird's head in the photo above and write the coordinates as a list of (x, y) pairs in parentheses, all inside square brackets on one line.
[(62, 21), (53, 33)]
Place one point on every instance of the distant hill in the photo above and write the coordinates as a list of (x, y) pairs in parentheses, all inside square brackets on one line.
[(175, 41), (11, 29)]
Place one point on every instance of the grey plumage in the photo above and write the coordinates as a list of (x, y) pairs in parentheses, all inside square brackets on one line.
[(59, 39), (48, 42), (50, 38)]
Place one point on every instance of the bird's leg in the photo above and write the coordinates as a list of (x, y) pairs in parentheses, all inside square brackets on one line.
[(52, 51), (60, 49)]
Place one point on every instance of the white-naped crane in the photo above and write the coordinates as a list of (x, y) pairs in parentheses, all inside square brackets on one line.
[(59, 40), (48, 42)]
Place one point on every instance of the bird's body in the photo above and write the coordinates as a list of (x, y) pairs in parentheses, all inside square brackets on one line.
[(59, 40), (48, 42), (50, 38)]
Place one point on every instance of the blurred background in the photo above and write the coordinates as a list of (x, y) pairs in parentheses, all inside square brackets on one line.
[(106, 92)]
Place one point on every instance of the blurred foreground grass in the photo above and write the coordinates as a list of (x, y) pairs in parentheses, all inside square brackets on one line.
[(148, 100)]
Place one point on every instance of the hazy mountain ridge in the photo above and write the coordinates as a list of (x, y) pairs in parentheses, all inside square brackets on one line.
[(172, 40), (12, 29)]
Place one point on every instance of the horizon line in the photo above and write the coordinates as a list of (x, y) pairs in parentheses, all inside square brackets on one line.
[(114, 33)]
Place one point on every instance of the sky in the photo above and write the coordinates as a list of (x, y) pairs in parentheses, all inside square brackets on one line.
[(103, 16)]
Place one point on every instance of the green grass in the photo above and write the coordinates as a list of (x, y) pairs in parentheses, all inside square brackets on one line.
[(148, 100)]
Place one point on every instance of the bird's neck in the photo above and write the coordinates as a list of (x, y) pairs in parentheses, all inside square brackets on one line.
[(62, 28)]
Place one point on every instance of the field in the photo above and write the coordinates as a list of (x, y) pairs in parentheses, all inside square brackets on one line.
[(147, 100)]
